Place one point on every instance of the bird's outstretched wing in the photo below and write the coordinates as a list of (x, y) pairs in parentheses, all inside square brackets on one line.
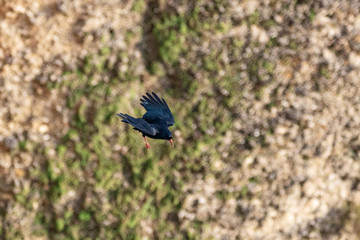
[(156, 109), (139, 124)]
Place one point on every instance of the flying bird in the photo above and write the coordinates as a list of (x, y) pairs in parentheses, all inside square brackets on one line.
[(155, 122)]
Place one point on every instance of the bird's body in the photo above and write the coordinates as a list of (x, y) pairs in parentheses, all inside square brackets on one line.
[(155, 122)]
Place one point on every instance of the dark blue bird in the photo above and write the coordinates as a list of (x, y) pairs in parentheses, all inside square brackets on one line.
[(155, 122)]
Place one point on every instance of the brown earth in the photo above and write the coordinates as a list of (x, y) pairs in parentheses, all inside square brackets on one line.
[(303, 183)]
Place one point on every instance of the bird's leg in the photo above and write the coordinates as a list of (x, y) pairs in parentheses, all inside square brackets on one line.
[(146, 143)]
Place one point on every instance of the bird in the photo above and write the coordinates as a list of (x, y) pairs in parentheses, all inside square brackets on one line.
[(155, 122)]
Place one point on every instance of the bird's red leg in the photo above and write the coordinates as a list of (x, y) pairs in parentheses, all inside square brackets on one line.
[(146, 144)]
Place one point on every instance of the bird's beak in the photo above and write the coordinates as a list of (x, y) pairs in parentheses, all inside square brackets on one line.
[(171, 141)]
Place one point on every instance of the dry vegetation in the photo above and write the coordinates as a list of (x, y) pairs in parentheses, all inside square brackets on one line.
[(266, 98)]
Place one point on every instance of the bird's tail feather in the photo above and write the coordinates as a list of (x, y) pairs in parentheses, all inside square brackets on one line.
[(130, 120), (139, 124), (126, 118)]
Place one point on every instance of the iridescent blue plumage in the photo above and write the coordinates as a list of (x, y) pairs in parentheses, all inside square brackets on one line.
[(155, 122)]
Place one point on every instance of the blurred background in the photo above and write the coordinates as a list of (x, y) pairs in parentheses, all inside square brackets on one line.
[(266, 101)]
